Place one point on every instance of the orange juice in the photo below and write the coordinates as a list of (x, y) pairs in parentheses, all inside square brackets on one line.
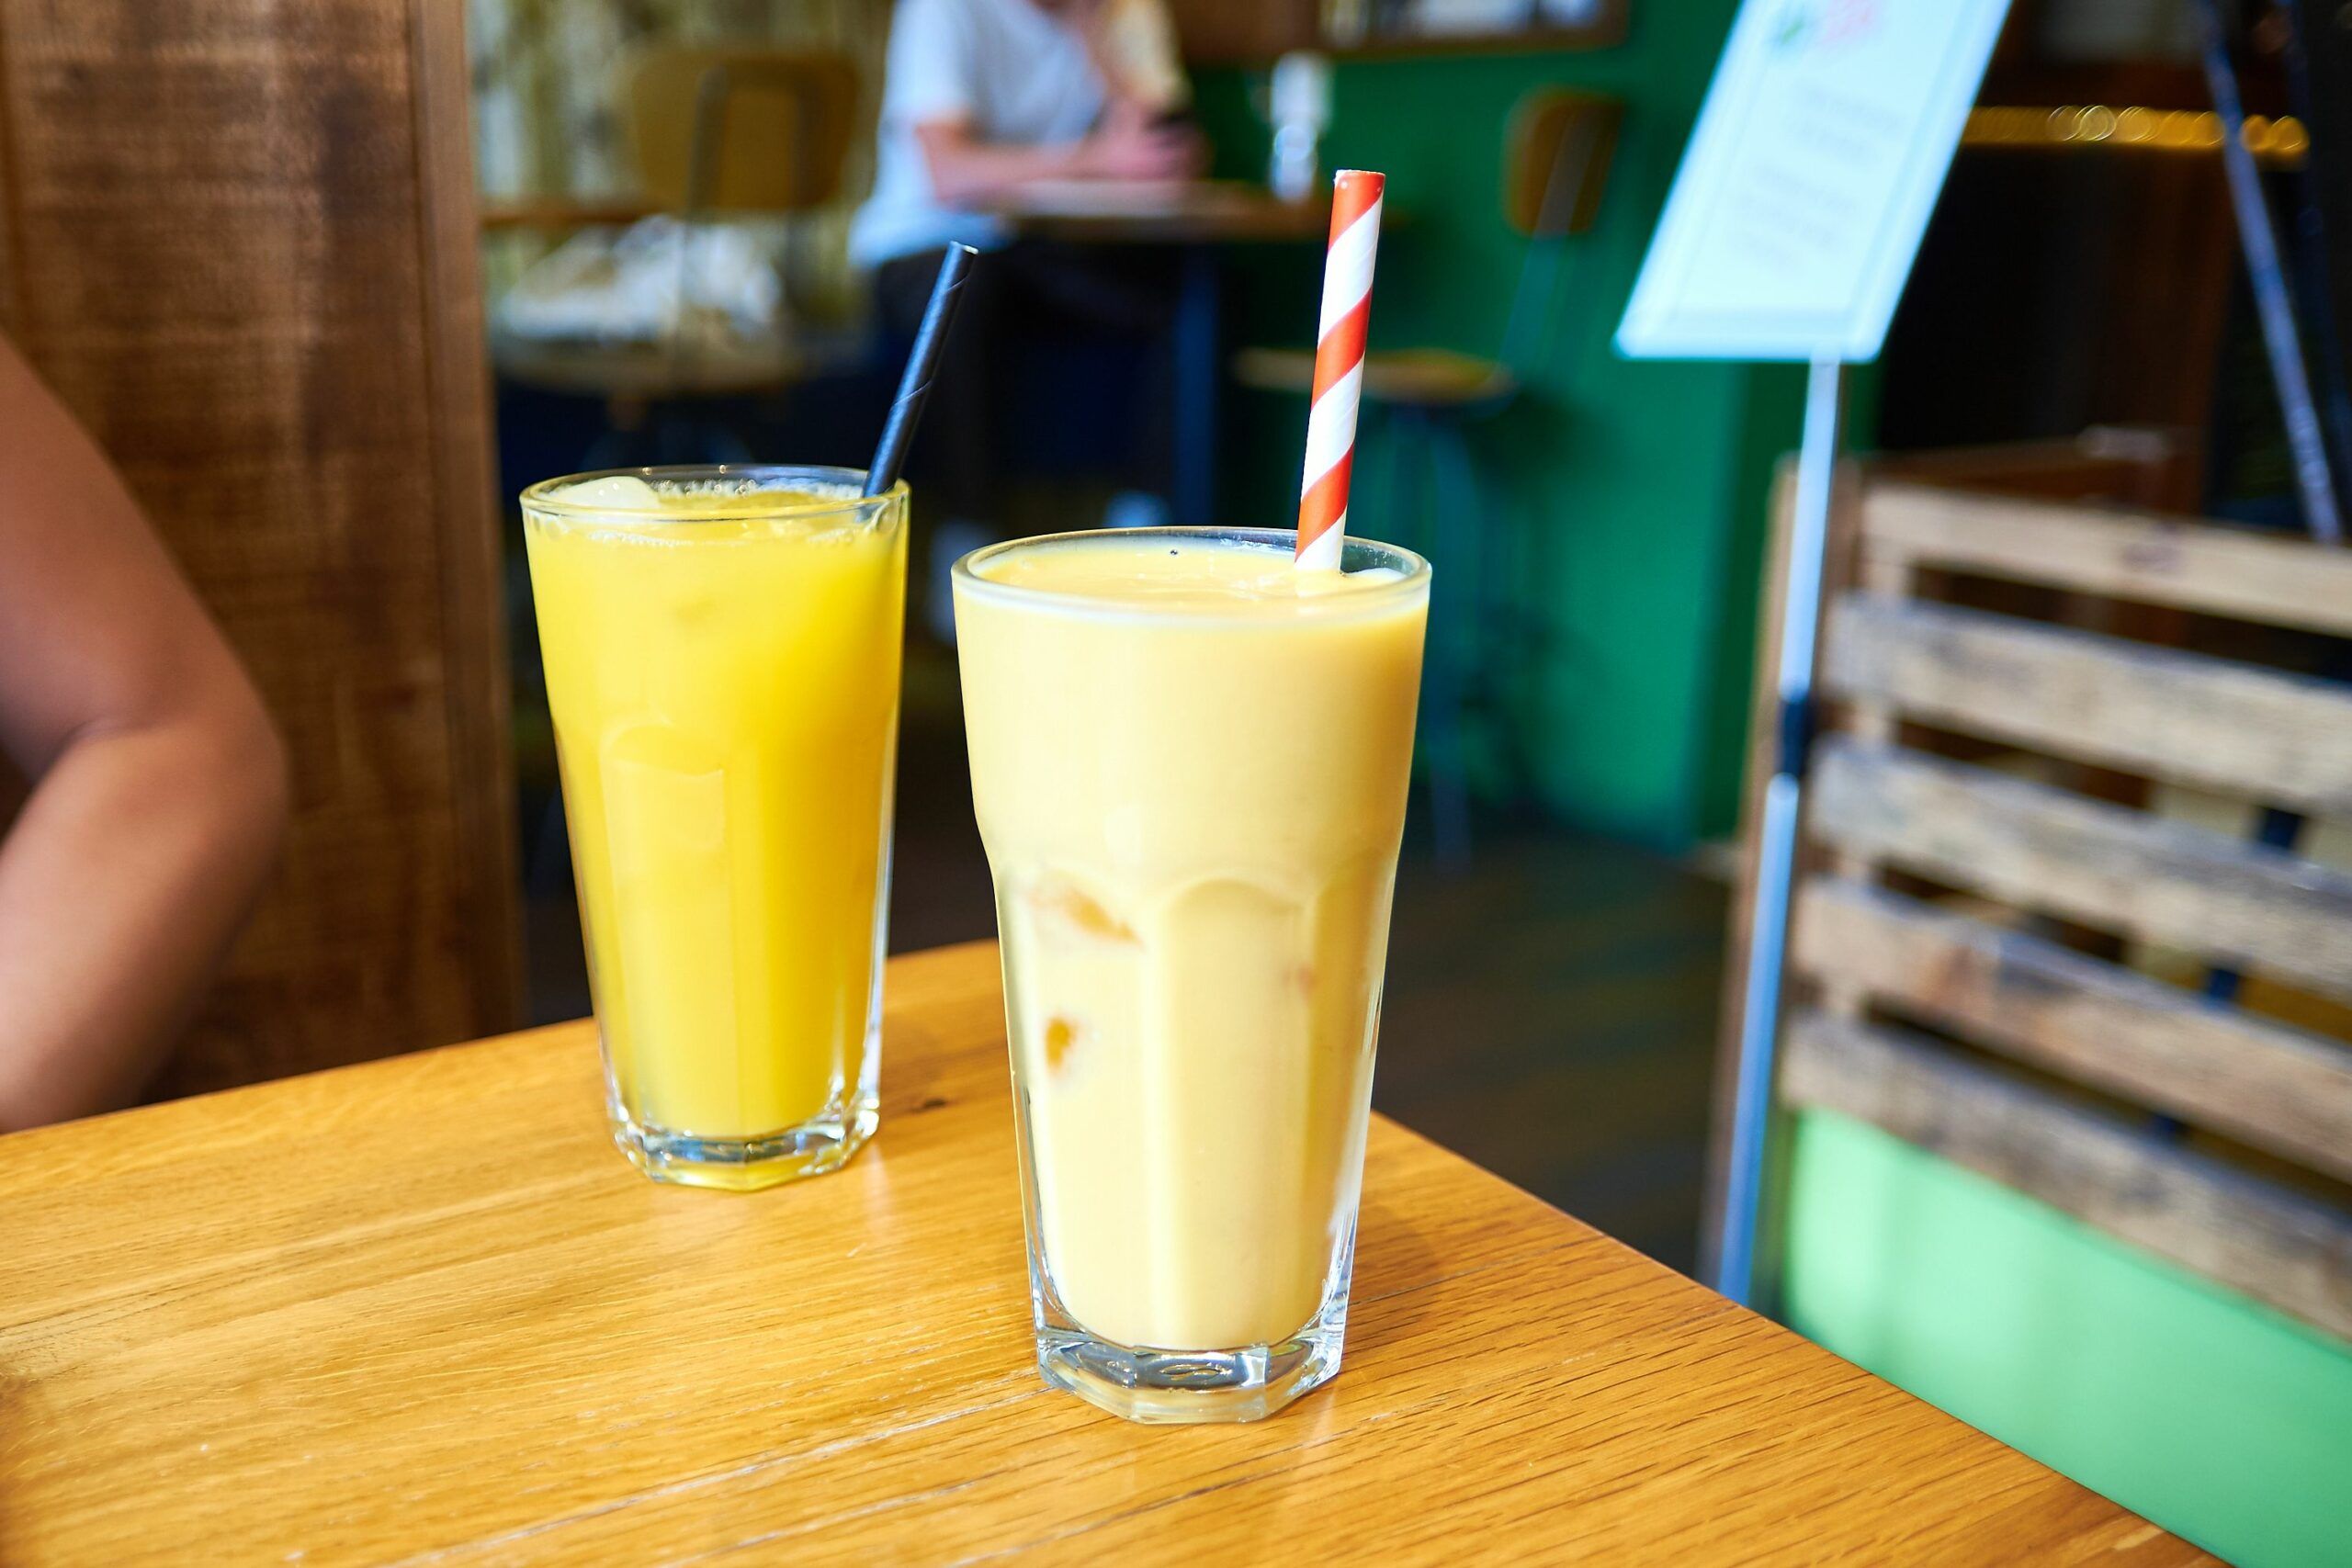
[(722, 667)]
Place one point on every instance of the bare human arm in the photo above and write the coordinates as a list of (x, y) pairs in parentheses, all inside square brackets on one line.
[(966, 171), (158, 781), (931, 84)]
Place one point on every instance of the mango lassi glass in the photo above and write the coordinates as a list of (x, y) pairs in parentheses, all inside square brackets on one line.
[(1188, 762), (722, 655)]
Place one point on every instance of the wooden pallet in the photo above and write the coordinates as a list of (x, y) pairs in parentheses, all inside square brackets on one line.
[(2017, 684)]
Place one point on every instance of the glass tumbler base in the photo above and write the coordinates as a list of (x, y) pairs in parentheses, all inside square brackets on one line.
[(823, 1143), (1190, 1387)]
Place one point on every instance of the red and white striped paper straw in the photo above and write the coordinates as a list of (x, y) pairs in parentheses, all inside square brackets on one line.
[(1338, 367)]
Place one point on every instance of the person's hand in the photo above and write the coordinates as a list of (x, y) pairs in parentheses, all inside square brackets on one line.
[(1129, 145)]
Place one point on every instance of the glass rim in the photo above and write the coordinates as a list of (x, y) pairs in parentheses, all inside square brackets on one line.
[(1365, 600), (545, 496)]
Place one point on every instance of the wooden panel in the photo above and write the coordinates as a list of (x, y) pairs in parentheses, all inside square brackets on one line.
[(783, 128), (2177, 561), (1224, 32), (2260, 733), (460, 435), (1560, 143), (1888, 572), (2272, 1088), (2118, 465), (2239, 904), (2275, 1246), (239, 244), (229, 1339)]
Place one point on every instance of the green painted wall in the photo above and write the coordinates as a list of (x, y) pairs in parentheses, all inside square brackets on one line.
[(1631, 496), (2213, 1417)]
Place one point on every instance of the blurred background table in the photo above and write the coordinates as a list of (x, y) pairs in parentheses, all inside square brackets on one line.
[(420, 1308), (558, 214), (1197, 218), (1183, 213)]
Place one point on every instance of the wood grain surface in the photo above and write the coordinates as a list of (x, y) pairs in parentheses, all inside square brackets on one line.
[(2241, 904), (2204, 1062), (2135, 1183), (2144, 557), (1225, 31), (498, 214), (2256, 733), (237, 237), (2002, 746), (419, 1310)]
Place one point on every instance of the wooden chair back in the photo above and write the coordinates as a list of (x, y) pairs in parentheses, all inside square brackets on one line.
[(736, 129), (1555, 160), (2006, 949), (249, 268)]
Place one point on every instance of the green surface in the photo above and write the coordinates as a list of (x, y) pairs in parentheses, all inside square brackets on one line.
[(2213, 1417), (1629, 496)]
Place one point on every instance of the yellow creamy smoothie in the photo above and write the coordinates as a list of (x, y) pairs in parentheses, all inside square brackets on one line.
[(722, 667), (1189, 762)]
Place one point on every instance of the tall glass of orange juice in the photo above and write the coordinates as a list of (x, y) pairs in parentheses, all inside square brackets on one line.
[(722, 649)]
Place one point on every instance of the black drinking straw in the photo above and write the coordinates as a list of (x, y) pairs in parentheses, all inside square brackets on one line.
[(954, 265)]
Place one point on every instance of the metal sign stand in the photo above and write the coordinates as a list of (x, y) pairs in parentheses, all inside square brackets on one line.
[(2274, 298), (1735, 1261), (2272, 302)]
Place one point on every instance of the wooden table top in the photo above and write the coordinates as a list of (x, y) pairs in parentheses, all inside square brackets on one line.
[(1161, 212), (1077, 211), (420, 1311), (555, 213)]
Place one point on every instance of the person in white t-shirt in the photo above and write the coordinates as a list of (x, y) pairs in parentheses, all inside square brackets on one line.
[(981, 97)]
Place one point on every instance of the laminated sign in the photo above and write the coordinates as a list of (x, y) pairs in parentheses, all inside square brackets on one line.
[(1799, 206)]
